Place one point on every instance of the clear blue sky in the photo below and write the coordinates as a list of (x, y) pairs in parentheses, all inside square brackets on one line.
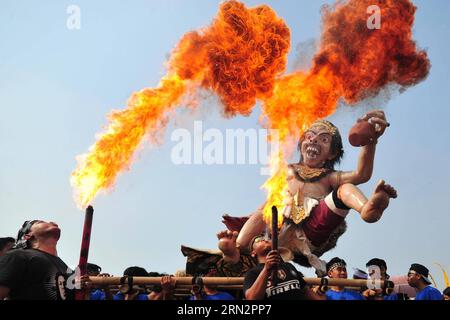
[(57, 85)]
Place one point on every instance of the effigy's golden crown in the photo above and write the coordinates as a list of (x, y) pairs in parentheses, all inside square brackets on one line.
[(330, 128)]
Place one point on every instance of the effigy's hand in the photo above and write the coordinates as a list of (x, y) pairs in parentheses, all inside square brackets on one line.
[(377, 118), (227, 242), (227, 234)]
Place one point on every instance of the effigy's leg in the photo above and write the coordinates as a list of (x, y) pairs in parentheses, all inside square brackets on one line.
[(370, 209)]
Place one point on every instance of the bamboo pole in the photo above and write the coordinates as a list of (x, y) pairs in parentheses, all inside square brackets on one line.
[(219, 286), (236, 281), (212, 281)]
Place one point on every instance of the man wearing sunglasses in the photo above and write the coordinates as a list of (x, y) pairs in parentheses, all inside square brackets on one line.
[(33, 270), (418, 278)]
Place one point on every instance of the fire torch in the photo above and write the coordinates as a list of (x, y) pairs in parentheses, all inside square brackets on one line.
[(84, 252), (274, 240)]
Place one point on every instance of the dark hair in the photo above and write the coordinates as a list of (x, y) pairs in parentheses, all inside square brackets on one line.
[(446, 291), (377, 262), (93, 268), (333, 261), (212, 272), (135, 272), (5, 241), (337, 147), (156, 274), (252, 242), (21, 242)]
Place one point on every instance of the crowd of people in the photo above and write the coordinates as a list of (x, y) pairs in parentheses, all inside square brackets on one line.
[(30, 269)]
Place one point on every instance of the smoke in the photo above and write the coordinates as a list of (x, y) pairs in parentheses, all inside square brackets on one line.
[(304, 55)]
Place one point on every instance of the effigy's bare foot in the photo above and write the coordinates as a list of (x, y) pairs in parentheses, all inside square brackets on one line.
[(378, 202)]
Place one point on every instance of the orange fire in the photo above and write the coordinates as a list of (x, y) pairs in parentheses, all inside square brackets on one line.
[(276, 188), (238, 56), (241, 57), (353, 63), (113, 151)]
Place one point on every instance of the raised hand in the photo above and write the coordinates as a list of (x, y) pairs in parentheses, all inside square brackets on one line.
[(377, 118)]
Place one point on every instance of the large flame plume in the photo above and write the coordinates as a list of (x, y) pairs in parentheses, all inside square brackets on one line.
[(276, 187), (353, 63), (238, 56), (241, 57), (114, 148)]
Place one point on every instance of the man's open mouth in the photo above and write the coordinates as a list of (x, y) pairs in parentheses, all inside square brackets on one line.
[(267, 250)]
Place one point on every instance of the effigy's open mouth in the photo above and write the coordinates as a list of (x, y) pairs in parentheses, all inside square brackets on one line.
[(312, 151)]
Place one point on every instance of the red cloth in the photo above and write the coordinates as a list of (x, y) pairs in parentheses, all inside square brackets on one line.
[(321, 223)]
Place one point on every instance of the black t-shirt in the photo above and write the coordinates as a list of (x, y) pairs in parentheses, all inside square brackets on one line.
[(32, 274), (290, 284)]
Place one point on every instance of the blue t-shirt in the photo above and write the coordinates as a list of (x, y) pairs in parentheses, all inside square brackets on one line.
[(429, 293), (120, 296), (344, 295), (97, 295), (217, 296), (391, 297)]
